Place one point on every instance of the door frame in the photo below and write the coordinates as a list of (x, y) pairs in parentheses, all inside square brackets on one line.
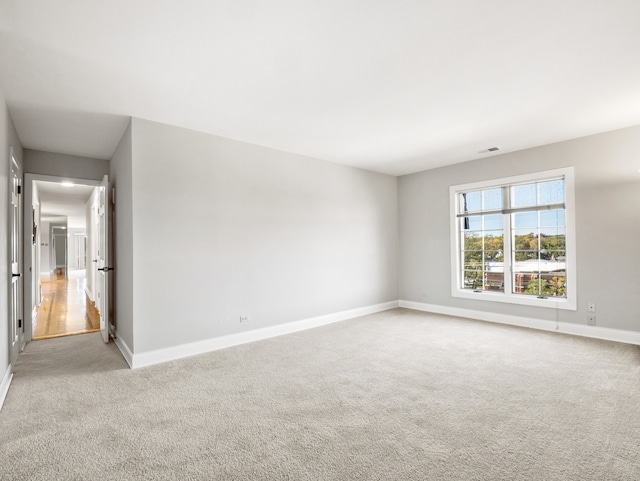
[(28, 262), (16, 221), (56, 238)]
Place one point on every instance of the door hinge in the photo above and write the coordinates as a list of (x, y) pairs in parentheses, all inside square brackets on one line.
[(19, 189), (19, 323)]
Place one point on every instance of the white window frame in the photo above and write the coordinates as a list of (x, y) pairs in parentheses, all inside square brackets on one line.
[(568, 303)]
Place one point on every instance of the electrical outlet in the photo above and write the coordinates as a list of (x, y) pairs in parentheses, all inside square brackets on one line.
[(591, 307), (244, 318), (591, 320)]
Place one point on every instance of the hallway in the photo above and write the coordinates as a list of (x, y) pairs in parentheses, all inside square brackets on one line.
[(65, 309)]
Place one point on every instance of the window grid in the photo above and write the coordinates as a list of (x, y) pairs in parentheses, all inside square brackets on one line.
[(537, 259)]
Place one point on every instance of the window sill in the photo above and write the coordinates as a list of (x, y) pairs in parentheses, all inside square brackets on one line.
[(549, 302)]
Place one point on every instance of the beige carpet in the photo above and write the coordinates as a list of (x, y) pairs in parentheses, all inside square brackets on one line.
[(399, 395)]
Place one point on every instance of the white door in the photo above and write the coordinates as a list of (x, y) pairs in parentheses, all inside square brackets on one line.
[(104, 267), (16, 329)]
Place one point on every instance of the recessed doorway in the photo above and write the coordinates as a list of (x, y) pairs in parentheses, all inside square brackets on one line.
[(63, 288)]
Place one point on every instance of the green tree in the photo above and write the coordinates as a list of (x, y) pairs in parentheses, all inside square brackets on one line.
[(556, 287)]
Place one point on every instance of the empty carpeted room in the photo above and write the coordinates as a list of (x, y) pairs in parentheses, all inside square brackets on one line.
[(331, 240)]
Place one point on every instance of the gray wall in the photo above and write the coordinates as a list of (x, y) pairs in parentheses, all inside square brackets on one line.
[(63, 165), (607, 189), (120, 175), (224, 228), (8, 139)]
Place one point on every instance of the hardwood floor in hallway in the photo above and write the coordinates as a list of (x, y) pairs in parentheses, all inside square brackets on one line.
[(65, 310)]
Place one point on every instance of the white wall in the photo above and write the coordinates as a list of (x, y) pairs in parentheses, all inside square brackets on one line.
[(223, 228), (73, 247), (8, 139), (607, 189)]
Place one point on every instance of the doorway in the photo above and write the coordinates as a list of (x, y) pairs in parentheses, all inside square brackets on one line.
[(63, 297)]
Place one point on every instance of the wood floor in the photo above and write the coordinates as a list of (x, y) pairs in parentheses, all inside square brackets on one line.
[(65, 310)]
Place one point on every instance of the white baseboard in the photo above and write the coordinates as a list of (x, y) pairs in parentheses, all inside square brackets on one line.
[(89, 294), (619, 335), (124, 349), (5, 383), (200, 347)]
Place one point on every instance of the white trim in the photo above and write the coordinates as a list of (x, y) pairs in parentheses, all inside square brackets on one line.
[(568, 303), (5, 383), (124, 349), (524, 300), (28, 261), (89, 294), (607, 334), (516, 179), (200, 347)]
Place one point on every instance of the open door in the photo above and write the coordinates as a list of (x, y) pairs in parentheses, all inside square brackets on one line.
[(104, 266), (16, 328)]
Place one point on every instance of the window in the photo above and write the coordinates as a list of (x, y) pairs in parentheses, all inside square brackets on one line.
[(513, 240)]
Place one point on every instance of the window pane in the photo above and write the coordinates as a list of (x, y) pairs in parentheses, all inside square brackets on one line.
[(493, 240), (493, 257), (472, 223), (526, 261), (542, 285), (550, 263), (523, 220), (552, 218), (493, 222), (550, 242), (472, 280), (492, 199), (555, 286), (532, 285), (473, 259), (472, 241), (525, 240), (523, 195), (471, 202), (544, 277), (551, 192), (551, 231), (494, 281)]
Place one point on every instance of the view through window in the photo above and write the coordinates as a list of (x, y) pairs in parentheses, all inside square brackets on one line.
[(511, 238)]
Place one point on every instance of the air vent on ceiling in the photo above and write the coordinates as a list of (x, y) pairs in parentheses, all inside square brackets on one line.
[(490, 149)]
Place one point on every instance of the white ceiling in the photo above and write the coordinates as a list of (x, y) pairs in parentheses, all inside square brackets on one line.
[(58, 202), (395, 86)]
